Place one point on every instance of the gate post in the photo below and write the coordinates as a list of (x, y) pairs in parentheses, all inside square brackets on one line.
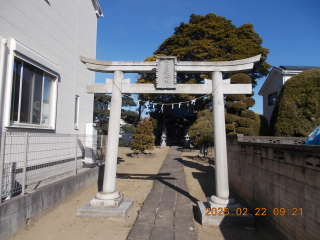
[(24, 167), (2, 152), (109, 197), (76, 155), (220, 145)]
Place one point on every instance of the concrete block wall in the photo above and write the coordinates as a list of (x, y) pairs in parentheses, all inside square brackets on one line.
[(16, 212), (278, 176)]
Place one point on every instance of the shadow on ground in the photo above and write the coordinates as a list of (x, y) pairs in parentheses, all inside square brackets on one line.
[(263, 229), (206, 177)]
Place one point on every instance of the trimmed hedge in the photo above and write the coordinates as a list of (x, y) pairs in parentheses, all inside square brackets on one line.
[(240, 78), (201, 131), (228, 104), (122, 143), (239, 106), (142, 139), (244, 122), (245, 131), (297, 111), (249, 114), (230, 127), (237, 113), (232, 133), (260, 126), (235, 97), (230, 118), (249, 102)]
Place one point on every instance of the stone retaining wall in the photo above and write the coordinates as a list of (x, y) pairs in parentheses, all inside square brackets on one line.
[(16, 212), (268, 175)]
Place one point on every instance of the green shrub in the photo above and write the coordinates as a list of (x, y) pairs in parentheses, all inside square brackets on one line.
[(201, 131), (235, 97), (207, 141), (122, 143), (231, 118), (260, 126), (142, 139), (230, 127), (228, 104), (238, 106), (249, 102), (244, 122), (249, 114), (232, 133), (245, 131), (297, 110), (240, 78), (128, 128)]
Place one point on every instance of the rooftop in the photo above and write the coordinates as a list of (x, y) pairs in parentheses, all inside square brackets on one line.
[(301, 68), (97, 7)]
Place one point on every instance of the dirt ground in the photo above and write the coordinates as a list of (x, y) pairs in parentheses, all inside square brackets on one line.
[(135, 181), (63, 223)]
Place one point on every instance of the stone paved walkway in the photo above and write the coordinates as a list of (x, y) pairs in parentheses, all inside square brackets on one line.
[(167, 211)]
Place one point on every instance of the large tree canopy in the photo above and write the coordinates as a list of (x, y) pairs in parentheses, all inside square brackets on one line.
[(214, 38), (208, 38)]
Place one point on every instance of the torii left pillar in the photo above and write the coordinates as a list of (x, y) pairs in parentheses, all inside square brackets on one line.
[(109, 197)]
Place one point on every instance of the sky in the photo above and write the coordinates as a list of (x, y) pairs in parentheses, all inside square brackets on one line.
[(133, 30)]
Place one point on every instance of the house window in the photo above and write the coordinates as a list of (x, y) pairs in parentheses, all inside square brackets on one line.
[(272, 98), (76, 112), (32, 99)]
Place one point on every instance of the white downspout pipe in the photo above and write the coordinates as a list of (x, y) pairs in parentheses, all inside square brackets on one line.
[(3, 52)]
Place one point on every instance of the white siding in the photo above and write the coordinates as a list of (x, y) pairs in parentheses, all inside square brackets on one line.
[(274, 86), (59, 32)]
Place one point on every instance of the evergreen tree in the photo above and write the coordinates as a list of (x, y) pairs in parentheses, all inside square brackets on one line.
[(102, 101), (214, 38), (128, 128), (207, 38), (129, 116), (142, 139), (238, 118), (201, 132), (297, 110), (260, 126)]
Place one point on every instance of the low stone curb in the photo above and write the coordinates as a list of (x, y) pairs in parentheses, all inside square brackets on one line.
[(143, 155)]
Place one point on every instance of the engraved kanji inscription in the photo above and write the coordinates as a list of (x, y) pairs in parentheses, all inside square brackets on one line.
[(166, 72)]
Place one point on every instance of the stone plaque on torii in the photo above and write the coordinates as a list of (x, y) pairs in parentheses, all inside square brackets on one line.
[(166, 69)]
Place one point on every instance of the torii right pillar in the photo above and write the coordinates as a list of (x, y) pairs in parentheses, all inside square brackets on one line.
[(220, 145), (223, 209)]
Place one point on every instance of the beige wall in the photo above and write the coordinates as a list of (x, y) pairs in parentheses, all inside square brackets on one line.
[(278, 176)]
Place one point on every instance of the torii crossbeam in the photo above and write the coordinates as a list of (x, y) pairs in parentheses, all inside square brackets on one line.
[(166, 69)]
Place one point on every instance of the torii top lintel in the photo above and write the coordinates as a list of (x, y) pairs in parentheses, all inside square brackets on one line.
[(182, 66), (166, 68)]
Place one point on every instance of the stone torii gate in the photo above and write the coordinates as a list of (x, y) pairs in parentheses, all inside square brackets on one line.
[(166, 69)]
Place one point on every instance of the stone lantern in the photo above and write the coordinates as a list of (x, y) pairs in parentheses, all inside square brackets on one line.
[(163, 139), (187, 141)]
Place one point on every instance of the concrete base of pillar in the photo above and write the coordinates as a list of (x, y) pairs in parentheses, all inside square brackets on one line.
[(107, 203), (231, 204), (235, 217), (116, 214)]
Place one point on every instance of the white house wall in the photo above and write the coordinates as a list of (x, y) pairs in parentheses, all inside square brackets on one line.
[(60, 32), (274, 86)]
